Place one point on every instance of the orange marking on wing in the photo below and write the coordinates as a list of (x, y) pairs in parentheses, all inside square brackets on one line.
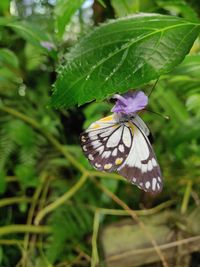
[(109, 118), (95, 126)]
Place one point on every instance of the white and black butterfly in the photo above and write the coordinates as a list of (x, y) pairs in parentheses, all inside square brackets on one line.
[(120, 143)]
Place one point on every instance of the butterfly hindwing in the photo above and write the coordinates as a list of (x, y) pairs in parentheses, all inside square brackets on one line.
[(106, 144), (141, 167)]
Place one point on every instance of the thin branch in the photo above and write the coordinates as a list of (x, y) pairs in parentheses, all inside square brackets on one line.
[(149, 250)]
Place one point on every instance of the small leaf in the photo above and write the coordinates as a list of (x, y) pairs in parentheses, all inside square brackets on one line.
[(122, 54), (4, 6), (64, 10), (30, 32), (125, 7), (8, 58), (102, 3), (26, 175)]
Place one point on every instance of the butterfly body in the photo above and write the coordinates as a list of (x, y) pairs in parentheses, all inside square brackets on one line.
[(120, 143)]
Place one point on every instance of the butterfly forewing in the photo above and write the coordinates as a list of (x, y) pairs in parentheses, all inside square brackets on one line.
[(141, 167), (106, 144)]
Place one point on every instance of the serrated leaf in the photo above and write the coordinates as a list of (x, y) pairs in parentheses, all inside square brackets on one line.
[(122, 54), (64, 10)]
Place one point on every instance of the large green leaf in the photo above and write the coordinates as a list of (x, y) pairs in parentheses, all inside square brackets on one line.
[(122, 54), (64, 10)]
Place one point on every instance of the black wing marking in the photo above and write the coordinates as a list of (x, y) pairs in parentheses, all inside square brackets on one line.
[(141, 167)]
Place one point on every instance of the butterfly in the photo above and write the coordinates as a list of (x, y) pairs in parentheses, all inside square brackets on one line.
[(120, 142)]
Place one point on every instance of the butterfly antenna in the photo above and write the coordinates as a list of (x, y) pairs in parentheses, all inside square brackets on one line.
[(153, 87), (160, 115)]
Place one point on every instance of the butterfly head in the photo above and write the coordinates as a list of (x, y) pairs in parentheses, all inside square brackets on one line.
[(130, 103)]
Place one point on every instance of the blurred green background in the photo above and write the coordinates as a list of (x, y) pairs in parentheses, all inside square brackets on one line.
[(50, 215)]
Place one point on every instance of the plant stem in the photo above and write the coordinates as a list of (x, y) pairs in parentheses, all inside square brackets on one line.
[(23, 228), (61, 200), (95, 256), (186, 197), (30, 217), (145, 212), (14, 200)]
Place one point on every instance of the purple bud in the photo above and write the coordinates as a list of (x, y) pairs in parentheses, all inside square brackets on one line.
[(130, 102)]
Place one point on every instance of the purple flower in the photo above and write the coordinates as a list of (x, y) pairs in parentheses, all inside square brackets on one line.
[(130, 102), (48, 45)]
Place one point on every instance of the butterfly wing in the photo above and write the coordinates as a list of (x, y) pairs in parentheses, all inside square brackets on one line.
[(106, 143), (141, 167), (141, 125)]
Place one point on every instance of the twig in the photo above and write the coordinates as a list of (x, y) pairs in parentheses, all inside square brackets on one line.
[(162, 247)]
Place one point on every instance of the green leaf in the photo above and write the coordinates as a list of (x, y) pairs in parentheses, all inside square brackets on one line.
[(125, 7), (179, 7), (101, 2), (26, 175), (30, 32), (4, 6), (64, 10), (8, 58), (122, 54)]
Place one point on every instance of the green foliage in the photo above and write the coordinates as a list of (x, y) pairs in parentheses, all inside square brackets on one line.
[(111, 59), (125, 7), (41, 161), (179, 7), (64, 10)]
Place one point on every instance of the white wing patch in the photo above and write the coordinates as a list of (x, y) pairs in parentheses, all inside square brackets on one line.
[(126, 137), (114, 139)]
